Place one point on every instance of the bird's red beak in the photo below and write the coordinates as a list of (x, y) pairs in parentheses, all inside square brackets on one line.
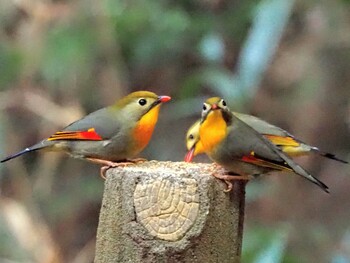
[(189, 155), (164, 98), (214, 107)]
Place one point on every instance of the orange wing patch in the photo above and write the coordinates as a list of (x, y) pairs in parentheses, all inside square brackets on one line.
[(89, 135), (282, 141)]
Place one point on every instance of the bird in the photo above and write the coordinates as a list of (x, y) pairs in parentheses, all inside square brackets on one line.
[(284, 140), (110, 136), (246, 145)]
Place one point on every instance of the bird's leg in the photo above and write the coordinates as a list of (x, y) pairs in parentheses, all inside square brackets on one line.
[(227, 178), (108, 164)]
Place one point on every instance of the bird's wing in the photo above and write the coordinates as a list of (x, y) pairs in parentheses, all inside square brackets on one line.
[(96, 126), (279, 137), (89, 135), (275, 134), (246, 143), (283, 141), (244, 140), (261, 126)]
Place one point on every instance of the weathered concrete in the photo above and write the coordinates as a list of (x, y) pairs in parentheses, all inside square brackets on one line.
[(169, 212)]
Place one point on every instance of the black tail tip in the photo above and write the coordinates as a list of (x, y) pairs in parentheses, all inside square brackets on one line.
[(6, 159), (324, 187), (333, 157), (16, 155), (326, 190)]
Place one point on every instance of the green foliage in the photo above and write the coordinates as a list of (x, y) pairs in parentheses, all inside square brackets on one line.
[(264, 244), (10, 65), (69, 51), (149, 31)]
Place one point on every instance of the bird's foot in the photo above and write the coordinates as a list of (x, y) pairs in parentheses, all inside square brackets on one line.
[(227, 178), (137, 160), (109, 164), (216, 165), (113, 165), (104, 170)]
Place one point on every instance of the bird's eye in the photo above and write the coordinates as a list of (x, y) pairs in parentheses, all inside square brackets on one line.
[(205, 110), (142, 102), (223, 103), (191, 137)]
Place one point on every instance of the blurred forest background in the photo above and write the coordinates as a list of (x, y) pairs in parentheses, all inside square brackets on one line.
[(285, 61)]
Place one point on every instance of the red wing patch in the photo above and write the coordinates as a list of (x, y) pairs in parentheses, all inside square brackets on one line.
[(89, 135), (264, 163)]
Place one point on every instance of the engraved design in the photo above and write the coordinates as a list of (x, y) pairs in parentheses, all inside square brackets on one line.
[(167, 208)]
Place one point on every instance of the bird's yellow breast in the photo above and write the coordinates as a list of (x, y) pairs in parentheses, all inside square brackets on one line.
[(144, 128), (198, 148), (212, 131)]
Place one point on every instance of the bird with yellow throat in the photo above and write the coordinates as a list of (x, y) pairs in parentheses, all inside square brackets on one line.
[(246, 145), (110, 136)]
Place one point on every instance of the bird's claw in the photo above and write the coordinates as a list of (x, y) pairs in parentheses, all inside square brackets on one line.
[(229, 186), (138, 160), (109, 164), (227, 178), (113, 165), (103, 171), (120, 164)]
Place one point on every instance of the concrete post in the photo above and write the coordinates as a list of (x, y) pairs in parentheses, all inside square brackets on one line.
[(169, 212)]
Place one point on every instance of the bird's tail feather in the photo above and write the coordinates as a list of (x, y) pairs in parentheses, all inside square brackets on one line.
[(288, 161), (35, 147), (328, 155), (26, 150), (318, 182), (302, 172)]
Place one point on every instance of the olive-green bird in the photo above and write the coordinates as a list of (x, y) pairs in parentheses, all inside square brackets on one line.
[(240, 148), (279, 137), (109, 135)]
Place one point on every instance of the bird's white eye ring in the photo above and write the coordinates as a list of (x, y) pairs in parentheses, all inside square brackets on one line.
[(142, 102), (223, 103)]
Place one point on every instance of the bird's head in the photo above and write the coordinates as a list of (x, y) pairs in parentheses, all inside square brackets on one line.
[(137, 104), (214, 106), (193, 143)]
